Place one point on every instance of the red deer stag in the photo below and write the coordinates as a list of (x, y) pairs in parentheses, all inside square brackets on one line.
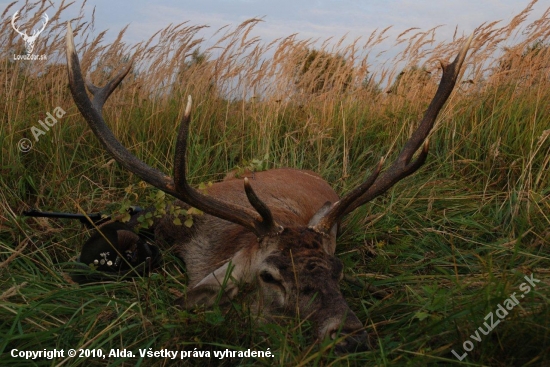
[(277, 229)]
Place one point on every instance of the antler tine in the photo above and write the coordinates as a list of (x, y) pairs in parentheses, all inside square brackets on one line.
[(224, 210), (178, 188), (13, 18), (102, 94), (268, 223), (402, 166), (446, 86), (46, 18)]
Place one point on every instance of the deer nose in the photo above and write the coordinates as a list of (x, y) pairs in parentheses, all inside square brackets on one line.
[(351, 340)]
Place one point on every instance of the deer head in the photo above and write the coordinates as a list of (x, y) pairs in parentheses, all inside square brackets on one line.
[(292, 257), (29, 40)]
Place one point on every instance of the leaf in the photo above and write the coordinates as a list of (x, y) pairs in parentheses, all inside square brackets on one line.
[(421, 315), (194, 211), (160, 195), (125, 218), (177, 221), (188, 222)]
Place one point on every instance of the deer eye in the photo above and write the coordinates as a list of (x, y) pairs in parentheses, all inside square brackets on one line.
[(267, 277)]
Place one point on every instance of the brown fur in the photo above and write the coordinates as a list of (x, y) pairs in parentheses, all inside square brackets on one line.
[(286, 242), (300, 260), (213, 241)]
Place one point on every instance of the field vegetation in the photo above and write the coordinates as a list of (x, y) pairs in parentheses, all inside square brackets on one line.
[(424, 263)]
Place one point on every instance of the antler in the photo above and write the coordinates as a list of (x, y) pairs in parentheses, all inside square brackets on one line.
[(14, 27), (177, 187), (402, 166), (35, 33)]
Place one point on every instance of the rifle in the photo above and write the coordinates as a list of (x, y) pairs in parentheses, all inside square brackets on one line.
[(89, 220)]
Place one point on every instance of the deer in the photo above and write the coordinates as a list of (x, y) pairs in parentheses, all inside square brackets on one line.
[(274, 230), (29, 40)]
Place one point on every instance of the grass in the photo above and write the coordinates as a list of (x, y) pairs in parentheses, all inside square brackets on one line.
[(443, 248)]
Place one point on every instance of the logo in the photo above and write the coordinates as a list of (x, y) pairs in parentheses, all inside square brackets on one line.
[(29, 40)]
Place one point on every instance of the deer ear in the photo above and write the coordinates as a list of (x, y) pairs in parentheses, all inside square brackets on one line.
[(208, 294), (333, 231), (219, 287), (319, 214)]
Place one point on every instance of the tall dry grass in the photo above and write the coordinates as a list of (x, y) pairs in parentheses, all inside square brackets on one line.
[(244, 85), (258, 94), (481, 203)]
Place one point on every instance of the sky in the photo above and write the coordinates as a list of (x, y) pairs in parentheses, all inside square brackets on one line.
[(312, 19)]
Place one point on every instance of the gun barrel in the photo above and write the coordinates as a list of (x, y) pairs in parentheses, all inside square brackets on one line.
[(95, 218)]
